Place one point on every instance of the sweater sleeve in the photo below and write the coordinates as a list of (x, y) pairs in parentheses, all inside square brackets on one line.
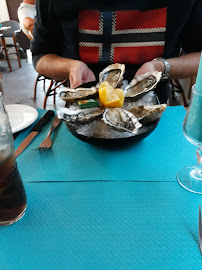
[(47, 34), (191, 36)]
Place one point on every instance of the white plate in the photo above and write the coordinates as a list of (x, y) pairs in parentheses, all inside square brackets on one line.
[(20, 116)]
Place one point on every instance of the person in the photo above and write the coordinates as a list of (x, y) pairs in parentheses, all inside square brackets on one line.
[(75, 40), (26, 14)]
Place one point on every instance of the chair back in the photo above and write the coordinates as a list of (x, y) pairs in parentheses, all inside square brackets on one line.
[(15, 26)]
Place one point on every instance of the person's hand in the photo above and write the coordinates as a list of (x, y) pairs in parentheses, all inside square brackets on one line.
[(80, 73), (151, 66)]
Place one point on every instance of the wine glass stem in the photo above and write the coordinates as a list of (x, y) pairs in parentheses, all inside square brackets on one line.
[(199, 161)]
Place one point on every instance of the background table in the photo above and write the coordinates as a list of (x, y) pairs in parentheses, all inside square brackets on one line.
[(4, 28), (146, 223)]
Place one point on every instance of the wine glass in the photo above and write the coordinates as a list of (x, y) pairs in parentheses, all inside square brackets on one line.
[(191, 177)]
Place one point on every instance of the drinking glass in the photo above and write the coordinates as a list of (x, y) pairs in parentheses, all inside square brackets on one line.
[(191, 177), (13, 201)]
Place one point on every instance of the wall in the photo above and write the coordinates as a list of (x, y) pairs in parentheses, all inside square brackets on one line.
[(4, 16), (12, 8)]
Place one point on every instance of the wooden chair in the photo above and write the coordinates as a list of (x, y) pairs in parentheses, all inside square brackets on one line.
[(10, 39), (51, 90)]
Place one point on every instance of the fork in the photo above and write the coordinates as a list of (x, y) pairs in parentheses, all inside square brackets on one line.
[(47, 142), (200, 229)]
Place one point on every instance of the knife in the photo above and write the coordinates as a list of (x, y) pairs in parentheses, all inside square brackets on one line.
[(35, 130)]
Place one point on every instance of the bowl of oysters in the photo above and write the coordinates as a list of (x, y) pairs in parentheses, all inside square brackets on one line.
[(112, 111)]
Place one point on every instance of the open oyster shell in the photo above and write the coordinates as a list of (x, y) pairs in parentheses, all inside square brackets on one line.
[(70, 95), (113, 74), (80, 115), (149, 113), (142, 84), (121, 120)]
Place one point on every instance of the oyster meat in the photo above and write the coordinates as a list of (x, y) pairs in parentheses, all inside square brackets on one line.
[(121, 120), (80, 115), (113, 74), (149, 113), (70, 95), (142, 84)]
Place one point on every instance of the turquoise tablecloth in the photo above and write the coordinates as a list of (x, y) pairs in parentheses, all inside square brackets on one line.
[(142, 219), (105, 226), (158, 157)]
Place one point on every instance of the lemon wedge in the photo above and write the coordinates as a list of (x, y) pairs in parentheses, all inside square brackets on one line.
[(110, 97)]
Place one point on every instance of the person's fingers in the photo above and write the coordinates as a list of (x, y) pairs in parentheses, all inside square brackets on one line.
[(80, 78), (75, 84), (90, 77), (80, 75), (75, 79), (146, 67)]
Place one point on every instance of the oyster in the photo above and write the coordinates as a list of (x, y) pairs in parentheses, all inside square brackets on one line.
[(113, 74), (70, 95), (122, 120), (149, 113), (80, 115), (142, 84)]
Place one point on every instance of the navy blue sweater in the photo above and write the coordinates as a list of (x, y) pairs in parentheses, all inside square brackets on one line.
[(103, 32)]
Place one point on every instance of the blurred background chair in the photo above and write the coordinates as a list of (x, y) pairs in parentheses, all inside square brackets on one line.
[(10, 37), (178, 88), (3, 51)]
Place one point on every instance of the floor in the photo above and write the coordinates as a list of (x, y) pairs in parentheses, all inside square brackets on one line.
[(19, 86)]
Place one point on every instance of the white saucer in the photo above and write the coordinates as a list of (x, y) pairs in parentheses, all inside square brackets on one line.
[(20, 116)]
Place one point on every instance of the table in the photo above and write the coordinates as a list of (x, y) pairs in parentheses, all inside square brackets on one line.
[(145, 222), (4, 28)]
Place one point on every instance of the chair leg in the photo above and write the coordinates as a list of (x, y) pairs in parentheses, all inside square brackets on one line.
[(54, 93), (48, 93), (44, 84), (17, 51), (21, 49), (35, 86), (0, 74), (8, 61), (6, 53), (18, 56)]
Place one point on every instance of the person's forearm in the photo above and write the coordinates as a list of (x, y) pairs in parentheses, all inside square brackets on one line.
[(28, 23), (54, 67), (185, 66), (182, 67)]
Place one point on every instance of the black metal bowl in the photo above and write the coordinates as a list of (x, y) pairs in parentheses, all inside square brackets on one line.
[(112, 142)]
